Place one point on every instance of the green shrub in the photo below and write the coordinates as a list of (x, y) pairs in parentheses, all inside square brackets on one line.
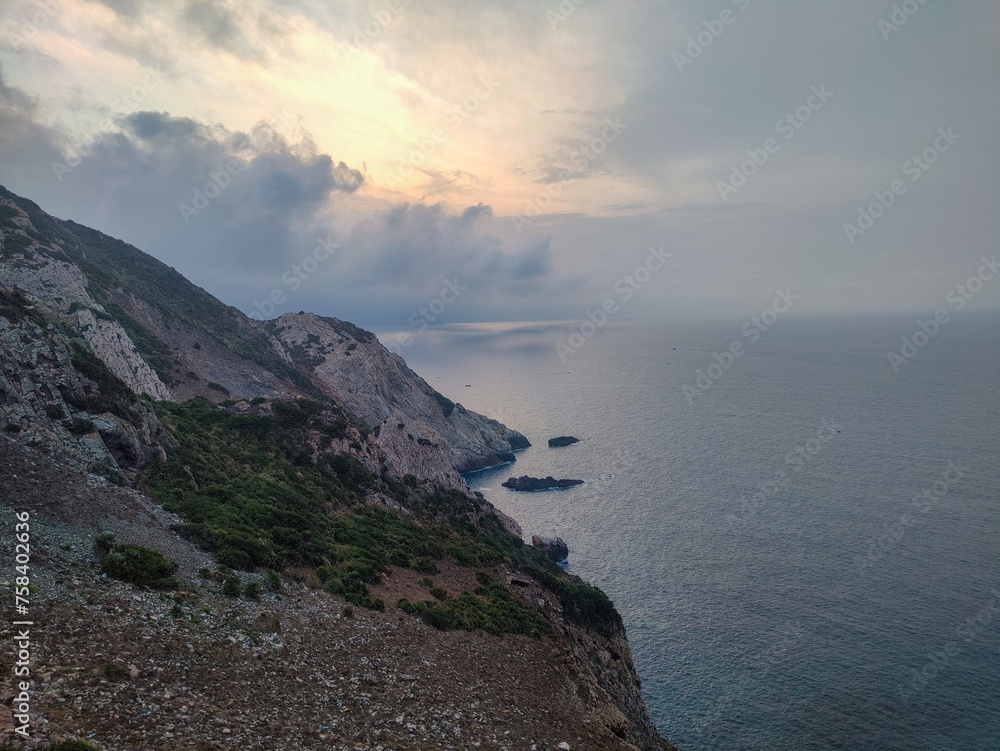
[(141, 566), (104, 542), (272, 580), (492, 608), (231, 586), (80, 426), (252, 590)]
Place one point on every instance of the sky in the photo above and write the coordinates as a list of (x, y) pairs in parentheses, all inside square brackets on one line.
[(395, 162)]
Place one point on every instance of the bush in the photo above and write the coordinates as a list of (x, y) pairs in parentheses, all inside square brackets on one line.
[(252, 591), (104, 542), (272, 580), (492, 608), (141, 566), (231, 586), (80, 426)]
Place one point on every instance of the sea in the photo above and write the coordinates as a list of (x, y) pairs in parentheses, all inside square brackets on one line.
[(802, 539)]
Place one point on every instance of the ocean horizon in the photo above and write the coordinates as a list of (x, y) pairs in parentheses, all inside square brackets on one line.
[(804, 547)]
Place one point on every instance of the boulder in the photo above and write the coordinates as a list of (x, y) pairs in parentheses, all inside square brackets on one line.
[(553, 547)]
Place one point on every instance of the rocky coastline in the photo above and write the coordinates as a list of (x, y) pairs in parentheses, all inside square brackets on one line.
[(114, 366)]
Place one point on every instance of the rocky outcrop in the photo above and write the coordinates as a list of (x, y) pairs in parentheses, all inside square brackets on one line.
[(422, 432), (48, 402), (38, 269), (554, 548), (532, 484), (563, 440)]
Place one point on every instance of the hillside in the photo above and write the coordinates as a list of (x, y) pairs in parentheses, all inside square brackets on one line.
[(219, 503)]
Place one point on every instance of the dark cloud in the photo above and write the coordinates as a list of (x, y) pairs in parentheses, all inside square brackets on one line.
[(419, 245), (220, 26)]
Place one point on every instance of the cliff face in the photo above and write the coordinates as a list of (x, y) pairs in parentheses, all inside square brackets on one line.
[(422, 432), (308, 444)]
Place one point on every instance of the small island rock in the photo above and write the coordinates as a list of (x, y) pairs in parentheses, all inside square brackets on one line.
[(563, 440), (528, 484)]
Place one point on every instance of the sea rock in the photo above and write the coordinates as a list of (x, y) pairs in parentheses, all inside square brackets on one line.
[(553, 547), (563, 440), (529, 484)]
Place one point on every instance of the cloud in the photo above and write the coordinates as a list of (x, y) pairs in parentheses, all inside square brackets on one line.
[(419, 245), (234, 210), (219, 25)]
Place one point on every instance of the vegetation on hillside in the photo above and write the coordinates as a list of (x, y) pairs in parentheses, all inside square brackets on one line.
[(249, 489)]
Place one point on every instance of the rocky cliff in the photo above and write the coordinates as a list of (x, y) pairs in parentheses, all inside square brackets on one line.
[(424, 433), (297, 453), (170, 340)]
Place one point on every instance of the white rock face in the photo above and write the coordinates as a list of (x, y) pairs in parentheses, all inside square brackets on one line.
[(423, 433), (109, 342), (62, 287)]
